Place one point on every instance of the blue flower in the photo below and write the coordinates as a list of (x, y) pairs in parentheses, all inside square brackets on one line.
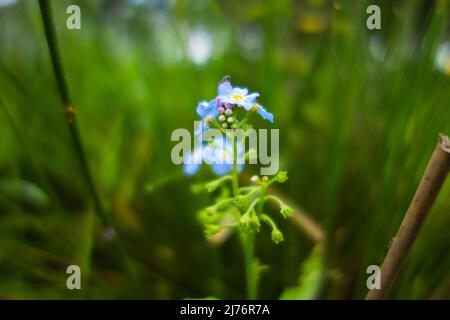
[(218, 154), (207, 109), (236, 96), (262, 112), (192, 161), (239, 96), (207, 112)]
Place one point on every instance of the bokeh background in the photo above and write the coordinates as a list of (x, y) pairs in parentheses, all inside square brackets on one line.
[(359, 112)]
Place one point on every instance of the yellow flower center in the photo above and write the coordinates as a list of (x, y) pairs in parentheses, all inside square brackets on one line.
[(237, 97), (255, 108), (208, 120)]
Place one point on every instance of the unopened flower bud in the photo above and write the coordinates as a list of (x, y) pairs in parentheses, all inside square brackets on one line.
[(281, 176), (277, 236), (285, 210), (211, 229), (250, 222)]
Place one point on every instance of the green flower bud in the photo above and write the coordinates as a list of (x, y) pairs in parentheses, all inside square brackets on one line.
[(241, 201), (285, 210), (224, 125), (208, 216), (230, 119), (277, 236), (250, 222), (222, 118), (211, 229), (281, 176)]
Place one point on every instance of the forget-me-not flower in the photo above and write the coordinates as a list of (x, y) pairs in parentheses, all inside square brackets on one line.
[(221, 111), (240, 97), (219, 154)]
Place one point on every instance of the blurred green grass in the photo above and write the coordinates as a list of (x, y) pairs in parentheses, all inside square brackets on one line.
[(358, 111)]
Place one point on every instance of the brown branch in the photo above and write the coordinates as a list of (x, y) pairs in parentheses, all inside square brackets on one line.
[(427, 191)]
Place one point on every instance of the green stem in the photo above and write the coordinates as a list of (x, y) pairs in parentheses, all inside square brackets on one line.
[(47, 18), (235, 177), (269, 221), (248, 239), (50, 34)]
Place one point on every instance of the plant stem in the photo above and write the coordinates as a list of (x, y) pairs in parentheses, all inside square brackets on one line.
[(252, 274), (435, 174), (247, 238), (248, 242), (50, 34), (235, 180), (47, 18)]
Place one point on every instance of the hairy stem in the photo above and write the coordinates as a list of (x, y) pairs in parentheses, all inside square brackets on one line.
[(435, 174)]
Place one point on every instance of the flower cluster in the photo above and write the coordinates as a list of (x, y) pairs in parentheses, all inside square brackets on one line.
[(221, 112), (222, 107), (246, 204), (244, 208)]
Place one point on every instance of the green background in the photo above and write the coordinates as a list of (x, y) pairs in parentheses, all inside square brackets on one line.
[(359, 112)]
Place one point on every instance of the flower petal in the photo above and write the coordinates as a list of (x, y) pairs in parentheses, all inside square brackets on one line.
[(247, 105), (206, 109), (239, 91), (252, 97), (224, 89), (264, 113), (193, 161)]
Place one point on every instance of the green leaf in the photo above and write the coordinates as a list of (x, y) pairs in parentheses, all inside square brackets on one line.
[(309, 280)]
